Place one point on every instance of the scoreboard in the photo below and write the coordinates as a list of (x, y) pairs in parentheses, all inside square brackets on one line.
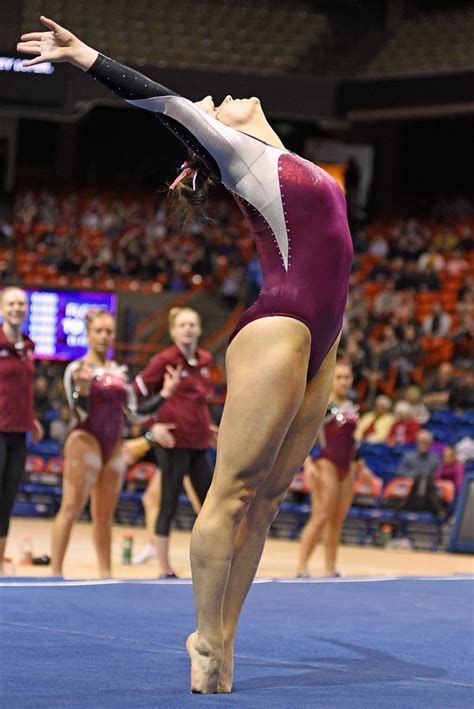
[(56, 321)]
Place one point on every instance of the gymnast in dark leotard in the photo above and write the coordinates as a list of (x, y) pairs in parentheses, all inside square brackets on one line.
[(281, 358), (330, 476)]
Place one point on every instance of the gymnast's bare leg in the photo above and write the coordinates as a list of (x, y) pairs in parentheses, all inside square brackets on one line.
[(268, 361)]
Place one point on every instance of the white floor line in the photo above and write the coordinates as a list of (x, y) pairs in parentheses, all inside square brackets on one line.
[(188, 582)]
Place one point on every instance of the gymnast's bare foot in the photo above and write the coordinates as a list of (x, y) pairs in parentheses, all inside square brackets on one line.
[(227, 670), (205, 667)]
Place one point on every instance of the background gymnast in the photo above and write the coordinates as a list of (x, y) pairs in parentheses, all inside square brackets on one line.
[(331, 476), (281, 357), (98, 392)]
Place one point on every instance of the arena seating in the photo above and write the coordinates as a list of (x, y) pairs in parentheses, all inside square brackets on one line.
[(434, 43), (266, 38)]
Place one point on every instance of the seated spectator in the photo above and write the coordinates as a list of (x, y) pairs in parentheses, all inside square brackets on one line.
[(420, 461), (431, 259), (457, 264), (405, 427), (386, 301), (378, 247), (421, 465), (374, 426), (461, 396), (466, 239), (414, 397), (438, 323), (437, 391), (406, 354), (466, 296), (465, 449), (451, 468), (60, 426), (428, 280)]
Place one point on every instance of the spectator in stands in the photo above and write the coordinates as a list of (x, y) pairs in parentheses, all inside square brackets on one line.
[(413, 395), (430, 259), (7, 235), (438, 322), (465, 449), (421, 465), (428, 280), (466, 239), (378, 247), (386, 302), (420, 461), (42, 400), (60, 427), (374, 426), (438, 389), (451, 468), (405, 427), (445, 239), (461, 396), (457, 265), (466, 296)]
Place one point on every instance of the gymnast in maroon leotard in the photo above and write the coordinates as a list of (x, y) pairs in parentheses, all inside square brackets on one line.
[(330, 476), (281, 358), (337, 437), (99, 395)]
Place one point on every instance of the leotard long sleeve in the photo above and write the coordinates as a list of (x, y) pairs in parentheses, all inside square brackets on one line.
[(296, 210)]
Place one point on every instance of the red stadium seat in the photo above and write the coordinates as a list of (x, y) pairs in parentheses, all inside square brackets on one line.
[(372, 487), (139, 475), (53, 471), (397, 489), (34, 466)]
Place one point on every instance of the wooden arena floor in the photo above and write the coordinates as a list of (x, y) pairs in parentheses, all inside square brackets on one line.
[(279, 559)]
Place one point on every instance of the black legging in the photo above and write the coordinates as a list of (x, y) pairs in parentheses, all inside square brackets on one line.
[(12, 467), (175, 464)]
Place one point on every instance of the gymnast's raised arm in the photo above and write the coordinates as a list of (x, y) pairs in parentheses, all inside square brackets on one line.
[(225, 151)]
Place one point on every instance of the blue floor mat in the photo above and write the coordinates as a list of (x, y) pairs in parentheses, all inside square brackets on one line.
[(342, 643)]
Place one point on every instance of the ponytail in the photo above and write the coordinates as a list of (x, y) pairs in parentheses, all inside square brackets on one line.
[(189, 191)]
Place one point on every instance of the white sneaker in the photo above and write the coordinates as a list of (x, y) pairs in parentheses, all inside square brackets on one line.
[(148, 552)]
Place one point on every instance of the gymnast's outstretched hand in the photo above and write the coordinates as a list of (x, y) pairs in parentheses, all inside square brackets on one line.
[(56, 45)]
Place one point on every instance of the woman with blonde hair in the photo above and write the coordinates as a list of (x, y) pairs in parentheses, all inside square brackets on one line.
[(184, 452), (281, 357), (16, 402), (98, 393)]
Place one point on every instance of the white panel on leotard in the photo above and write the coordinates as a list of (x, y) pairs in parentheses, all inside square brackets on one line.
[(248, 166)]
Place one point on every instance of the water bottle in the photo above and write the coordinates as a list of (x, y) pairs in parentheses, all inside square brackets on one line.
[(127, 547), (386, 534), (26, 551)]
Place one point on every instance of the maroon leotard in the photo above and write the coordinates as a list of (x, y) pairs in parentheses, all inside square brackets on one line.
[(314, 288), (296, 210), (103, 416), (338, 444)]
